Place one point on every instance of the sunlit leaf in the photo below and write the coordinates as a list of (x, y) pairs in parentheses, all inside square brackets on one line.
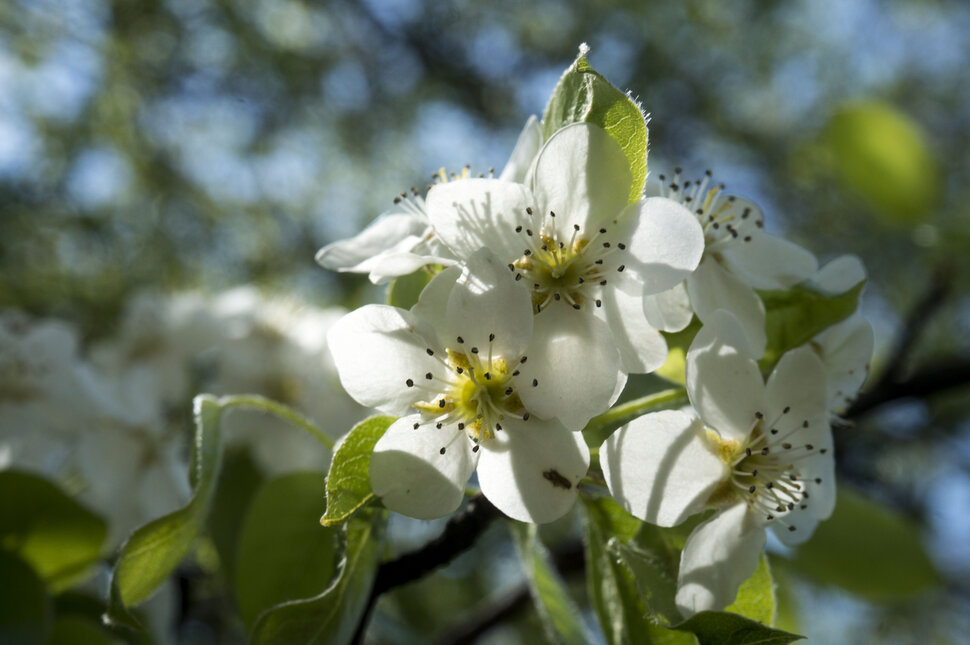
[(284, 553), (153, 551), (867, 549), (722, 628), (55, 535), (348, 483), (584, 96), (756, 597), (881, 154), (677, 344), (25, 608), (331, 618), (558, 612)]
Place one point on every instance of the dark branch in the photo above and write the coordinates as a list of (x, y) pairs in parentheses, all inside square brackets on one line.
[(459, 535), (919, 317), (924, 382)]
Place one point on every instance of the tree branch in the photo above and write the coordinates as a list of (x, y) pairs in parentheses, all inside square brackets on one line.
[(924, 382), (459, 535)]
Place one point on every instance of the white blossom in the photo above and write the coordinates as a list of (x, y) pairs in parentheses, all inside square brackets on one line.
[(478, 382), (759, 453)]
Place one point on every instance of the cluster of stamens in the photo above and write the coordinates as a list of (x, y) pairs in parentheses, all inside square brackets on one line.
[(766, 470), (570, 266), (719, 214), (474, 390)]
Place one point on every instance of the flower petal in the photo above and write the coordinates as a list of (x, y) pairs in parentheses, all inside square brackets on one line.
[(524, 153), (723, 381), (845, 349), (531, 469), (764, 261), (376, 349), (718, 556), (401, 231), (421, 472), (712, 288), (642, 348), (574, 365), (796, 390), (840, 275), (662, 467), (387, 266), (582, 175), (666, 243), (669, 310), (474, 213), (432, 304), (488, 309)]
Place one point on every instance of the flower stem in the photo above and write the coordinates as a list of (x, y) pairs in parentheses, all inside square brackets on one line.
[(601, 427), (257, 402)]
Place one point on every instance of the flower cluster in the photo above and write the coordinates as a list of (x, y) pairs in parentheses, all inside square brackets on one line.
[(551, 286)]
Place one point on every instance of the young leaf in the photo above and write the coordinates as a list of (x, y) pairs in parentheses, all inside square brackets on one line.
[(54, 534), (25, 607), (348, 482), (584, 96), (153, 551), (795, 316), (403, 292), (756, 597), (867, 549), (677, 345), (558, 612), (284, 553), (331, 618), (722, 628), (655, 578), (239, 480)]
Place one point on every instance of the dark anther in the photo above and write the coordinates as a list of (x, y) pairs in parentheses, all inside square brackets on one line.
[(409, 383), (442, 451)]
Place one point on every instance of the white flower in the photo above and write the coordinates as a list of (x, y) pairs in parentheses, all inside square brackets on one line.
[(739, 256), (569, 236), (402, 241), (761, 454), (846, 347), (477, 381)]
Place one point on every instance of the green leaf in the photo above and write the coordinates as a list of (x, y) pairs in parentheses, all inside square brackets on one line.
[(795, 316), (584, 96), (558, 612), (722, 628), (867, 549), (674, 369), (331, 618), (756, 596), (239, 480), (403, 292), (881, 155), (54, 534), (284, 553), (25, 607), (76, 630), (348, 482), (656, 578), (153, 551)]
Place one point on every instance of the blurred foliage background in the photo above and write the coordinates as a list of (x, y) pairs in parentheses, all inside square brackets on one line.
[(169, 144)]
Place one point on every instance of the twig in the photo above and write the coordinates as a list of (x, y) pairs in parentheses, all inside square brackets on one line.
[(928, 380), (459, 535)]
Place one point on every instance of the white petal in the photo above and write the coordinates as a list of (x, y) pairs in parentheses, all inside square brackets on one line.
[(432, 304), (474, 213), (488, 309), (387, 266), (662, 467), (582, 175), (530, 470), (723, 381), (385, 233), (376, 349), (712, 288), (840, 275), (768, 262), (524, 153), (642, 348), (718, 556), (411, 475), (669, 310), (845, 349), (666, 244), (796, 389), (574, 363)]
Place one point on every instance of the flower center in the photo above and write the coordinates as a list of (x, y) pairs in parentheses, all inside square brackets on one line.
[(474, 390), (571, 267)]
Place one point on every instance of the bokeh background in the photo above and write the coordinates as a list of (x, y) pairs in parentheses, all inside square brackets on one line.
[(154, 146)]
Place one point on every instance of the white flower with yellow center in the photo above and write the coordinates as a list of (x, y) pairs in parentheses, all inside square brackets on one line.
[(761, 454), (569, 236), (477, 382), (739, 256), (402, 241)]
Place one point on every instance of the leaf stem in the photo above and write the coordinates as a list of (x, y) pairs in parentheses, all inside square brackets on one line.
[(601, 427), (257, 402)]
